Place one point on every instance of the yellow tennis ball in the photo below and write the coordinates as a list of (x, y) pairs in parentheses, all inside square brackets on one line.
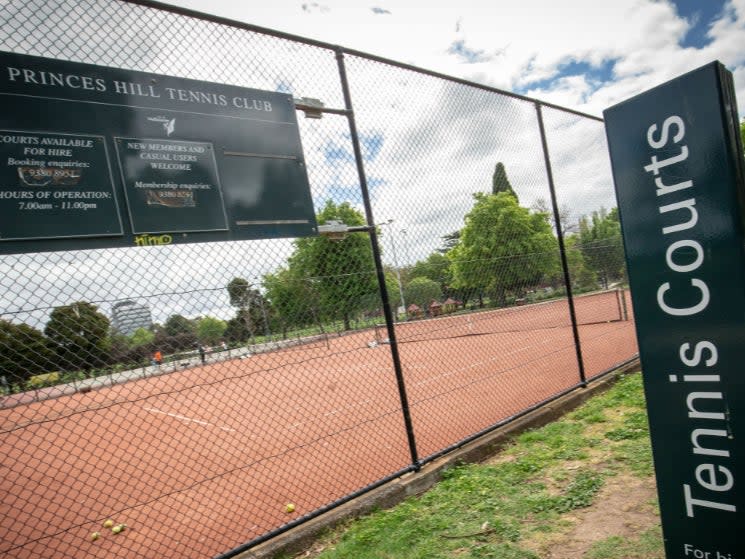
[(118, 528), (289, 507), (95, 536), (108, 523)]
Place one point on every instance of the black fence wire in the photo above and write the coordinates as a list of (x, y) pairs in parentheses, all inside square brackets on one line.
[(193, 400)]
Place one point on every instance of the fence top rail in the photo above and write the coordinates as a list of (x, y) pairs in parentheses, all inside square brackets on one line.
[(187, 12)]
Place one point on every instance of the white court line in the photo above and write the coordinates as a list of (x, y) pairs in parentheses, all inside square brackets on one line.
[(477, 364), (188, 419), (316, 418)]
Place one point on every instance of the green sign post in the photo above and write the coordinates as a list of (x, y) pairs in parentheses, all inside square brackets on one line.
[(678, 170), (94, 157)]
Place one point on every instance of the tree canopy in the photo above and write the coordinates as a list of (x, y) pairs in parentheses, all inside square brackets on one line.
[(503, 247), (141, 336), (79, 336), (340, 273), (253, 308), (177, 324), (601, 245), (24, 352), (581, 275), (210, 330), (435, 267), (422, 291), (500, 182), (291, 297)]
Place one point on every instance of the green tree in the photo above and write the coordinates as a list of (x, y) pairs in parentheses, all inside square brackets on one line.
[(372, 303), (601, 245), (177, 325), (239, 291), (449, 241), (582, 276), (236, 329), (340, 272), (251, 306), (435, 267), (210, 330), (78, 334), (291, 298), (500, 182), (503, 247), (394, 290), (178, 342), (568, 225), (141, 336), (422, 291), (23, 352)]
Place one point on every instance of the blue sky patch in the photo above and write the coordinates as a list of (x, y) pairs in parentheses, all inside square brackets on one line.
[(700, 16), (375, 182), (371, 144), (335, 151), (469, 56), (596, 75), (283, 86)]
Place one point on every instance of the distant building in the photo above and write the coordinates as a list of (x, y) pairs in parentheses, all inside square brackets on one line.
[(128, 316)]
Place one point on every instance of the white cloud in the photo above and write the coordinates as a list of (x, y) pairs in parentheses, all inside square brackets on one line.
[(519, 42), (437, 142)]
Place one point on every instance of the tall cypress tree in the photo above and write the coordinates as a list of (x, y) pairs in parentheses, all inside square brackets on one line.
[(500, 182)]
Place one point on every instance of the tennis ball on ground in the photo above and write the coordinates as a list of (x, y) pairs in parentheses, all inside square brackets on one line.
[(118, 528), (108, 523), (95, 536), (289, 507)]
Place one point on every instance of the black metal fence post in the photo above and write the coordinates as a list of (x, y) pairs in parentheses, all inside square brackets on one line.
[(562, 248), (378, 262)]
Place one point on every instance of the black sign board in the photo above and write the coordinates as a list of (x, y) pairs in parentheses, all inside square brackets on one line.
[(171, 186), (94, 157), (45, 178), (678, 169)]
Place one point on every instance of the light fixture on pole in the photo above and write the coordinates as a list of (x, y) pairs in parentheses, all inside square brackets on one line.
[(335, 230)]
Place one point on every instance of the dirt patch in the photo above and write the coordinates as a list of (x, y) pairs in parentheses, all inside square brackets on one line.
[(624, 507)]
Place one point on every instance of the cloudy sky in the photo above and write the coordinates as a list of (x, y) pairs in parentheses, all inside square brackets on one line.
[(582, 54), (428, 144)]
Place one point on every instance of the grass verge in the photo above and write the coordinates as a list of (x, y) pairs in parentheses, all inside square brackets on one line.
[(525, 502)]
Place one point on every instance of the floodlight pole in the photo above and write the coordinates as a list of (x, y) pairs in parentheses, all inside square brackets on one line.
[(397, 270), (415, 463)]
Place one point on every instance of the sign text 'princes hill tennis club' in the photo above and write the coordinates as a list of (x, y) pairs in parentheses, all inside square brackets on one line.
[(94, 157), (678, 170)]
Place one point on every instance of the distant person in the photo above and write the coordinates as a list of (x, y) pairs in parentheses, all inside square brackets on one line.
[(202, 354), (158, 358)]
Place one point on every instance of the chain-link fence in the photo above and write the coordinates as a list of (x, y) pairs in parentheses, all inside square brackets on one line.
[(204, 397)]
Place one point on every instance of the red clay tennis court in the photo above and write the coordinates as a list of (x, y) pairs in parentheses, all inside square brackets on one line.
[(205, 459)]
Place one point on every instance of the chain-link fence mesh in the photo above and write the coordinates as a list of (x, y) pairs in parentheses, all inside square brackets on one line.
[(589, 217), (191, 392)]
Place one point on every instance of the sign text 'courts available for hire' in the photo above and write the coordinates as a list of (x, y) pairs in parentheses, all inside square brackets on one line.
[(678, 169), (94, 157)]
